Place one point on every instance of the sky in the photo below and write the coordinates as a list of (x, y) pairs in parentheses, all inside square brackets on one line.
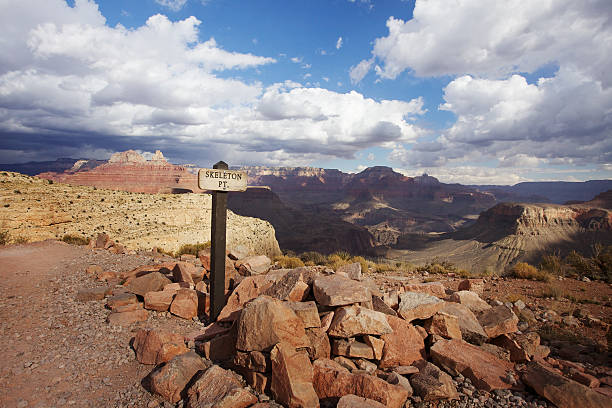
[(469, 91)]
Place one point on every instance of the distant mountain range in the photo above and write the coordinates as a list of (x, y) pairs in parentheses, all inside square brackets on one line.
[(325, 209)]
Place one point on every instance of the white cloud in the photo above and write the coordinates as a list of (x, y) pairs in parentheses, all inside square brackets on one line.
[(296, 60), (371, 156), (359, 71), (326, 79), (339, 43), (506, 36), (72, 82), (174, 5)]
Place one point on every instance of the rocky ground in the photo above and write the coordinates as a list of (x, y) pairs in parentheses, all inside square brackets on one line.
[(60, 351)]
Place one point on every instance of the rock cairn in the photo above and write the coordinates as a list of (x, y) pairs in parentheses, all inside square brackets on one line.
[(311, 336)]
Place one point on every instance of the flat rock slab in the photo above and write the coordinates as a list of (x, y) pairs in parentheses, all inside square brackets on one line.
[(353, 401), (159, 301), (443, 324), (127, 318), (308, 312), (561, 391), (498, 320), (417, 305), (92, 294), (266, 321), (336, 290), (351, 321), (292, 374), (292, 286), (471, 330), (185, 304), (156, 346), (253, 265), (431, 288), (170, 380), (248, 289), (121, 299), (486, 371)]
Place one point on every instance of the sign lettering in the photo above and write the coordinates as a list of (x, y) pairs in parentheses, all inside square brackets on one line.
[(222, 180)]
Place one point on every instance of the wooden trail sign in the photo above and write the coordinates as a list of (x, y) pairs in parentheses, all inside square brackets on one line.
[(220, 180)]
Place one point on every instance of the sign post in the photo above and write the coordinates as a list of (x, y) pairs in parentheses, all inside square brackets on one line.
[(220, 180)]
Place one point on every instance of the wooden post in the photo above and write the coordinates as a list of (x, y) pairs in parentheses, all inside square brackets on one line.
[(217, 250)]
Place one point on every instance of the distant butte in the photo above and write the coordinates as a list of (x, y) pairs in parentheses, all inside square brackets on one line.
[(130, 171)]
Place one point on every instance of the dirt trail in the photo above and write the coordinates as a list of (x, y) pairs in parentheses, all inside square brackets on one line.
[(57, 351)]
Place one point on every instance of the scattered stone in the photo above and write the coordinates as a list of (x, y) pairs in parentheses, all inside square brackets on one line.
[(151, 282), (376, 344), (127, 318), (346, 363), (380, 306), (431, 383), (185, 304), (290, 287), (218, 349), (266, 321), (156, 346), (406, 370), (436, 289), (561, 391), (486, 371), (353, 270), (471, 330), (183, 272), (92, 294), (351, 348), (473, 285), (397, 379), (353, 321), (93, 270), (170, 380), (443, 324), (471, 300), (403, 346), (336, 290), (217, 387), (248, 289), (417, 305), (291, 382), (498, 320), (121, 299)]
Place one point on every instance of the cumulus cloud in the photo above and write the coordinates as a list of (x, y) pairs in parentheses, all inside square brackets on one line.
[(359, 71), (72, 84)]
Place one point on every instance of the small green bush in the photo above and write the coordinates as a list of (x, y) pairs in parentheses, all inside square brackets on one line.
[(523, 270), (288, 262), (551, 263), (75, 239), (192, 249)]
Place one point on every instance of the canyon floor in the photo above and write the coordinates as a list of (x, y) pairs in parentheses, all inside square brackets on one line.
[(61, 352)]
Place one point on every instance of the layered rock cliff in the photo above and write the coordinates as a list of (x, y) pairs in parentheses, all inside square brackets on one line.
[(130, 171), (34, 210)]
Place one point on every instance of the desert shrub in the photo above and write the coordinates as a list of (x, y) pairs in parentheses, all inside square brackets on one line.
[(334, 261), (75, 239), (365, 265), (165, 252), (192, 249), (523, 270), (513, 297), (20, 240), (4, 237), (345, 256), (598, 266), (554, 292), (552, 264), (438, 267), (288, 262), (312, 257)]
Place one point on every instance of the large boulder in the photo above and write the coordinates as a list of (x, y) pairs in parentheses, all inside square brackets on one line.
[(417, 305), (292, 374), (332, 381), (308, 312), (253, 265), (169, 381), (351, 321), (292, 286), (486, 371), (183, 271), (443, 324), (431, 288), (185, 304), (337, 290), (561, 391), (266, 321), (217, 387), (471, 330), (403, 346), (431, 383), (353, 401), (156, 346), (159, 301), (248, 289)]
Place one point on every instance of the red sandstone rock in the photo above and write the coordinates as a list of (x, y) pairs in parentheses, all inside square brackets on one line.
[(320, 346), (292, 286), (266, 321), (292, 374), (471, 330), (562, 392), (253, 265), (336, 290), (416, 305), (307, 311), (156, 346), (219, 349), (350, 321), (351, 348), (376, 344), (353, 270), (431, 383), (380, 306), (183, 272), (331, 380), (498, 320), (403, 346), (217, 387), (431, 288), (91, 294), (151, 282), (159, 301), (353, 401), (443, 324), (486, 371), (170, 380), (474, 285), (248, 289), (517, 353), (185, 304), (127, 318), (93, 269), (121, 299), (471, 300)]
